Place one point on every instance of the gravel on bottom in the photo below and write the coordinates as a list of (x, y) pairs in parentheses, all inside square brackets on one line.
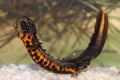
[(33, 72)]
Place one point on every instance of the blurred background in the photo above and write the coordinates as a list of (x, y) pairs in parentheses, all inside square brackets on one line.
[(63, 26)]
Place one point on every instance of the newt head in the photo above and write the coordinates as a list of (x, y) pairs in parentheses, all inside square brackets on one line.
[(24, 26)]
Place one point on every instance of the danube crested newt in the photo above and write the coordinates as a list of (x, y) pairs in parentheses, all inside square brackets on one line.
[(26, 31)]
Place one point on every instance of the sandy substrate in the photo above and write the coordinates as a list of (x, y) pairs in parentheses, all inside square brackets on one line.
[(32, 72)]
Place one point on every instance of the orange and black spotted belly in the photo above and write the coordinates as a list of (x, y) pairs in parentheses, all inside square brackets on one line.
[(44, 60), (52, 65)]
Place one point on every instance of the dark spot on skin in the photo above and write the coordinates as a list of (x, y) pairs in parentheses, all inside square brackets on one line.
[(28, 43), (24, 36), (45, 63), (29, 50), (54, 69), (37, 57), (40, 62), (35, 54), (29, 37), (47, 67)]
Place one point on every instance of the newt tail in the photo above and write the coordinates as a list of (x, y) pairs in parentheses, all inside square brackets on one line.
[(96, 44), (26, 31)]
